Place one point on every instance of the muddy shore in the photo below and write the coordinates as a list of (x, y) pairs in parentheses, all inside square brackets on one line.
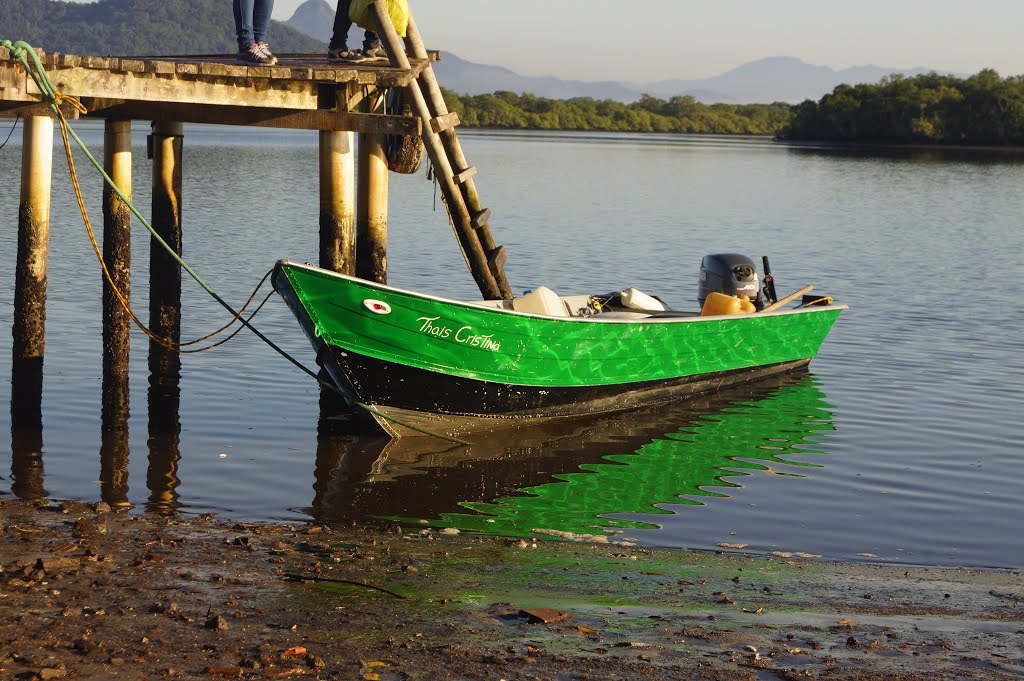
[(91, 594)]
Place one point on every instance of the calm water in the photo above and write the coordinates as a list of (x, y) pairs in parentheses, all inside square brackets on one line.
[(903, 443)]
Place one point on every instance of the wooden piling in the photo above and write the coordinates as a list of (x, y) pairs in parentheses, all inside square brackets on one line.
[(337, 201), (164, 271), (472, 249), (30, 274), (372, 203), (117, 254), (337, 227)]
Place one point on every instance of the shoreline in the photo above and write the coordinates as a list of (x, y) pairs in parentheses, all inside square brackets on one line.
[(908, 146), (89, 593), (838, 144)]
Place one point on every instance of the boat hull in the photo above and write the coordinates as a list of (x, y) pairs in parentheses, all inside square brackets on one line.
[(457, 406), (422, 363)]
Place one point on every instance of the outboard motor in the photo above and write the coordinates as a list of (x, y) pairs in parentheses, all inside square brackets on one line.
[(729, 273)]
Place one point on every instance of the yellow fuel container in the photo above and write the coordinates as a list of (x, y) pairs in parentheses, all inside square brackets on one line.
[(719, 303)]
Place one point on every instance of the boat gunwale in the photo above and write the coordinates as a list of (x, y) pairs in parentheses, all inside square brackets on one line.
[(660, 318)]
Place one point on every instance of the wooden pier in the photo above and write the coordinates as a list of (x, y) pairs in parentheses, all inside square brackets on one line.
[(303, 91)]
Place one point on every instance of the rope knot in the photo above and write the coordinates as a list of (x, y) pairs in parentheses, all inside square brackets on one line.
[(59, 97), (17, 49)]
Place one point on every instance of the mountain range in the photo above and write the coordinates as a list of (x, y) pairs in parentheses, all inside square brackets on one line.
[(133, 27), (773, 79)]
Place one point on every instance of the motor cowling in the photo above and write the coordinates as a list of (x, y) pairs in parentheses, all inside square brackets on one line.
[(729, 273)]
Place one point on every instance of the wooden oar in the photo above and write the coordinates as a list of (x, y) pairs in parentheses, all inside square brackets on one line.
[(788, 298)]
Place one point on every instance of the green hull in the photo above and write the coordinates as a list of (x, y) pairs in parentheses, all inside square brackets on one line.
[(373, 339)]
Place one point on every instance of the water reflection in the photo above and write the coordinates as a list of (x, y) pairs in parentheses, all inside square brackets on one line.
[(579, 476), (114, 464), (114, 432), (164, 440), (908, 152), (27, 464), (27, 428)]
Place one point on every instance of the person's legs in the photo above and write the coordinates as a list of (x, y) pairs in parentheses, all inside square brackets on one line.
[(342, 24), (372, 47), (243, 10), (252, 17), (261, 19)]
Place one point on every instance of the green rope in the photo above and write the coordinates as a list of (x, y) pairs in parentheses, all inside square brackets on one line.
[(23, 52)]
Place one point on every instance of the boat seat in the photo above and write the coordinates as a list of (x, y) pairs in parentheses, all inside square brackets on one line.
[(540, 300)]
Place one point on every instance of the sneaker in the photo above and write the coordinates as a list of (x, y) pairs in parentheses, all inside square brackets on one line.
[(374, 51), (254, 56), (265, 49), (344, 54)]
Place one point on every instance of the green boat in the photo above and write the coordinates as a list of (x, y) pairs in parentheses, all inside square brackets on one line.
[(425, 365)]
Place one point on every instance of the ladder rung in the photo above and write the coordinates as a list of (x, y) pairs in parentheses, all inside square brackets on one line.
[(481, 218), (461, 178), (496, 259), (445, 122)]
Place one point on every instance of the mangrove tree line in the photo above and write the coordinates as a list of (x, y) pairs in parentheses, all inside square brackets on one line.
[(983, 109), (684, 114), (931, 108)]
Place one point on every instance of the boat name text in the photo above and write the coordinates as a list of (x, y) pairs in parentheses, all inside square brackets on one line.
[(463, 335)]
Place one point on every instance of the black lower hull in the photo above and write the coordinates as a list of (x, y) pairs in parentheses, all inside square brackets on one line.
[(416, 391)]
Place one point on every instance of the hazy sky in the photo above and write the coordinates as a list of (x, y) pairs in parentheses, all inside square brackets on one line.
[(647, 40)]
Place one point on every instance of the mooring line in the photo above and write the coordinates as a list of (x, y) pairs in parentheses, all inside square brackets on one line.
[(37, 72), (18, 50), (167, 343), (13, 128)]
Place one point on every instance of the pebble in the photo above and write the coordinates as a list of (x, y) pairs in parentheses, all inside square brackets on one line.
[(217, 623)]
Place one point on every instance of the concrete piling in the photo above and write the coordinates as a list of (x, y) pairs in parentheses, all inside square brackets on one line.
[(164, 271), (337, 201), (29, 329), (117, 254), (372, 206)]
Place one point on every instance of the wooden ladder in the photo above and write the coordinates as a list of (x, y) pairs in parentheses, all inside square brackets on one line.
[(454, 174)]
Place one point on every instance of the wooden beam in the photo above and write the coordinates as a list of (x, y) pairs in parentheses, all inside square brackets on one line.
[(262, 117), (209, 80), (12, 109), (496, 260), (464, 175), (196, 89), (481, 218), (445, 122)]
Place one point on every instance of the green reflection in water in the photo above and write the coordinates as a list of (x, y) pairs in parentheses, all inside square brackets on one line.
[(676, 467)]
